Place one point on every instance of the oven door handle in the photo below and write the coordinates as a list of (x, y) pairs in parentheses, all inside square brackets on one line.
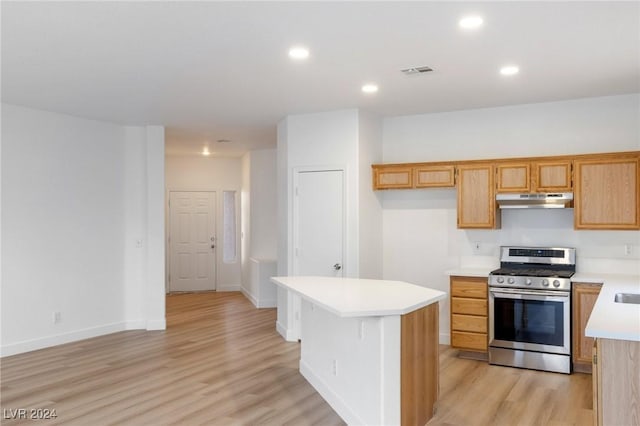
[(540, 295)]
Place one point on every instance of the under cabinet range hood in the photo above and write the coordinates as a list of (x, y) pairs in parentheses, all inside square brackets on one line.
[(559, 200)]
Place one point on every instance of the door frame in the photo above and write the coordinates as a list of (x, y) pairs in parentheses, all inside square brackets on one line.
[(294, 213)]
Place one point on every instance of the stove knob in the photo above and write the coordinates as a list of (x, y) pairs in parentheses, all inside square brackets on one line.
[(528, 281), (511, 280), (556, 283), (500, 280), (545, 283)]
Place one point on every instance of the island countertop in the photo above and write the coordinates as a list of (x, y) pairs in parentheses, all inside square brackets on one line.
[(611, 320), (356, 297)]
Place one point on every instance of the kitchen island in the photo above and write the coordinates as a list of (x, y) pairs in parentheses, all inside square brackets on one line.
[(616, 328), (370, 347)]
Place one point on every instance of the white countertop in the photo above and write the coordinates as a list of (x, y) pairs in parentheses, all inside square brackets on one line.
[(354, 297), (469, 272), (611, 320)]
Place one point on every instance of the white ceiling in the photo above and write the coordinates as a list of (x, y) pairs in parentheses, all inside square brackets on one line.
[(220, 70)]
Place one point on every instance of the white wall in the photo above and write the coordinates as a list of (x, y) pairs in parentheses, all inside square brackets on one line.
[(264, 234), (419, 226), (155, 231), (571, 127), (320, 141), (198, 173), (259, 194), (245, 223), (347, 139), (369, 201), (283, 213), (71, 191), (135, 178), (323, 140)]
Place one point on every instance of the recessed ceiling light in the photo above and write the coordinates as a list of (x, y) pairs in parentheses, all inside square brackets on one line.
[(205, 152), (370, 88), (509, 70), (298, 52), (470, 22)]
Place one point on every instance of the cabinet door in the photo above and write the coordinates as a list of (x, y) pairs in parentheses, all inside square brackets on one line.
[(392, 177), (476, 198), (584, 297), (606, 195), (434, 176), (552, 176), (513, 177)]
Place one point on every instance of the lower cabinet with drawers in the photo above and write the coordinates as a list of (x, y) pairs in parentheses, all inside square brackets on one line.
[(469, 313)]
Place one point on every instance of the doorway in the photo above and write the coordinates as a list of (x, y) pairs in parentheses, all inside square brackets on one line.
[(319, 215), (318, 223), (192, 241)]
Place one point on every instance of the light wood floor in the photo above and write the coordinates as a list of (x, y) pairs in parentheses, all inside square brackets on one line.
[(221, 362)]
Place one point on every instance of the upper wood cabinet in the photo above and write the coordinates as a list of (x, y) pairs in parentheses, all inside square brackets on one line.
[(552, 176), (392, 177), (606, 193), (476, 197), (398, 176), (513, 177), (434, 176), (537, 176), (605, 186)]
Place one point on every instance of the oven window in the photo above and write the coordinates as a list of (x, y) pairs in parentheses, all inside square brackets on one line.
[(529, 321)]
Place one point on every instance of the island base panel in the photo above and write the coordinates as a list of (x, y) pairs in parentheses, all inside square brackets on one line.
[(419, 365)]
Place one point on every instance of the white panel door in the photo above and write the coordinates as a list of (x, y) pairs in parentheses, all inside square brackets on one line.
[(192, 224), (319, 223)]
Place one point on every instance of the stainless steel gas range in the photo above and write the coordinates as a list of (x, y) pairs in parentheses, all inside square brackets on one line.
[(530, 308)]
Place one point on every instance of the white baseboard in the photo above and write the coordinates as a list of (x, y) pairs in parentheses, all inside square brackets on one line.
[(287, 333), (136, 325), (333, 399), (74, 336), (249, 296), (282, 330), (268, 303), (228, 287), (445, 339), (159, 324), (60, 339)]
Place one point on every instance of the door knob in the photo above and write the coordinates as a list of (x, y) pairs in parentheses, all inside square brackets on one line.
[(337, 266)]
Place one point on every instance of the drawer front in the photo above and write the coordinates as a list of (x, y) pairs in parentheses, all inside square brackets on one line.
[(469, 289), (469, 323), (469, 341), (461, 305)]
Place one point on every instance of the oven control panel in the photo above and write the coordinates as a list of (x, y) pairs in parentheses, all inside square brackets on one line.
[(539, 283)]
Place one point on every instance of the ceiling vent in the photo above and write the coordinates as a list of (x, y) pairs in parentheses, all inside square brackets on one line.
[(416, 70)]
